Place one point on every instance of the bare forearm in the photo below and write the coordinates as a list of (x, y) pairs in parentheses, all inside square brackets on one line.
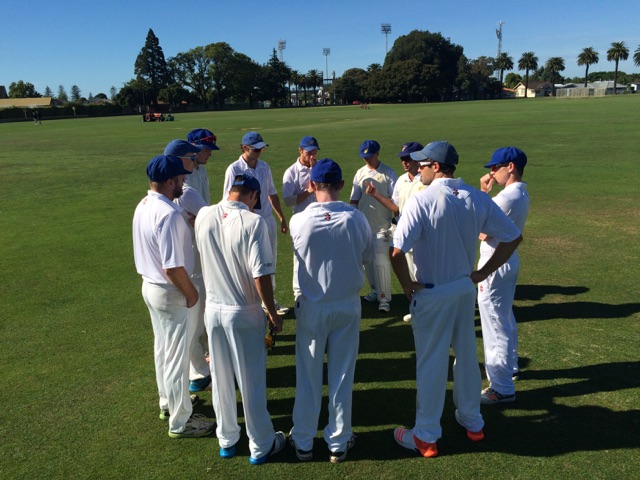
[(501, 254), (179, 278), (265, 290)]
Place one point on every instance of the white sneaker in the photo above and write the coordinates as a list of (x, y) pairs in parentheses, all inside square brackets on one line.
[(281, 310), (372, 296), (384, 306)]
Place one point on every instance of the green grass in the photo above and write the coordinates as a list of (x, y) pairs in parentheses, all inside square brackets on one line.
[(77, 385)]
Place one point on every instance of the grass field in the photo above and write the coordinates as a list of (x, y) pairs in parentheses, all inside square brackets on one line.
[(77, 384)]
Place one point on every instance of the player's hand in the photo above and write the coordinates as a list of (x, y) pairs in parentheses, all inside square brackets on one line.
[(486, 182), (192, 299), (371, 189), (284, 228), (276, 323), (477, 277), (411, 288), (192, 219)]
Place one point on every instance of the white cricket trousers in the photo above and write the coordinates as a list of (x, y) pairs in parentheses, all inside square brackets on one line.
[(173, 328), (272, 228), (378, 271), (236, 343), (198, 366), (441, 317), (335, 328), (499, 329)]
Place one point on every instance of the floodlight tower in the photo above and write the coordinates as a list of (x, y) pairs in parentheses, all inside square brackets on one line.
[(282, 44), (385, 29), (499, 35), (326, 52)]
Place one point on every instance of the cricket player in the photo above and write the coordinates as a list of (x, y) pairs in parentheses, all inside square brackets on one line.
[(237, 265), (200, 179), (408, 184), (164, 258), (442, 223), (297, 192), (331, 241), (383, 178), (249, 162), (191, 202), (496, 292)]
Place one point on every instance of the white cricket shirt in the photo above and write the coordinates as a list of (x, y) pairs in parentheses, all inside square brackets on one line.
[(262, 172), (384, 179), (294, 182)]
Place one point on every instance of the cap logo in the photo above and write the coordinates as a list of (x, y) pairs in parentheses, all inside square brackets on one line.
[(224, 215), (456, 191), (327, 217)]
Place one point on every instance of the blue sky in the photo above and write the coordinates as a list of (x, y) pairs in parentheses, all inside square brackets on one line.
[(93, 44)]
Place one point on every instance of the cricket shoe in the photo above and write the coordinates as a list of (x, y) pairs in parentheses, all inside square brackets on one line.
[(338, 457), (384, 306), (278, 444), (164, 414), (280, 310), (489, 397), (228, 452), (372, 296), (197, 426), (473, 436), (405, 438), (303, 455), (200, 385)]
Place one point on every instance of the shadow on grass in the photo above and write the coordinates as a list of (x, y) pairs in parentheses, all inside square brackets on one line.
[(537, 292)]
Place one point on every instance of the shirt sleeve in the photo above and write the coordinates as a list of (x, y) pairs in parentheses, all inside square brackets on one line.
[(356, 190), (409, 228), (172, 234), (260, 255), (228, 181), (289, 188)]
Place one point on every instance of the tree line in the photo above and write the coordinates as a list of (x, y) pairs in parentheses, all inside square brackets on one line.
[(421, 66)]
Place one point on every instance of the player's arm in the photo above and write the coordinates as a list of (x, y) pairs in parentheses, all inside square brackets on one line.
[(401, 269), (179, 277), (384, 201), (265, 290), (304, 195), (503, 252), (275, 203)]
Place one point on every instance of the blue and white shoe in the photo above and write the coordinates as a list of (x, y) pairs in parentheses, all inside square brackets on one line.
[(200, 385), (228, 452), (278, 444)]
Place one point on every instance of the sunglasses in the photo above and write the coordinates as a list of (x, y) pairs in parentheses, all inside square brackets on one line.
[(190, 157), (499, 166), (209, 139), (426, 164)]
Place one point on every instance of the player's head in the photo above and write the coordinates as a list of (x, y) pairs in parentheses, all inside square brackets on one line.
[(437, 159), (247, 189), (327, 175), (166, 175), (369, 150), (408, 163), (253, 145), (206, 139), (507, 160), (308, 150), (184, 150)]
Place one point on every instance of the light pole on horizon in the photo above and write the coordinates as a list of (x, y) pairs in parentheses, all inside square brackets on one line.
[(385, 29)]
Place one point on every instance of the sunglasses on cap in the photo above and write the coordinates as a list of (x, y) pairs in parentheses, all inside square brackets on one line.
[(210, 139)]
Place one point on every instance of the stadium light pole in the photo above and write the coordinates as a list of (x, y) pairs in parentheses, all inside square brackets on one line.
[(326, 52), (282, 44), (385, 29)]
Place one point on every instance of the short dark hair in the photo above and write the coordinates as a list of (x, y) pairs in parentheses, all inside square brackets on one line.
[(328, 187), (446, 168)]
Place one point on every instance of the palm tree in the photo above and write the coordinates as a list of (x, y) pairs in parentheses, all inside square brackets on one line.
[(503, 62), (295, 80), (314, 80), (553, 66), (528, 61), (636, 57), (617, 52), (588, 57)]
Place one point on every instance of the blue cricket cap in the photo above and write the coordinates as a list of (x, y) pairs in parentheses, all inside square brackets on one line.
[(254, 140), (507, 155), (440, 151), (163, 167), (251, 183), (326, 171), (181, 148), (204, 137), (369, 148), (409, 148), (309, 143)]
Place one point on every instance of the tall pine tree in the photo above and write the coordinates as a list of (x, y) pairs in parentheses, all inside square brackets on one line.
[(151, 66)]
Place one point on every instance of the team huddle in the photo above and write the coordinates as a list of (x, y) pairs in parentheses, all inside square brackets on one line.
[(209, 277)]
